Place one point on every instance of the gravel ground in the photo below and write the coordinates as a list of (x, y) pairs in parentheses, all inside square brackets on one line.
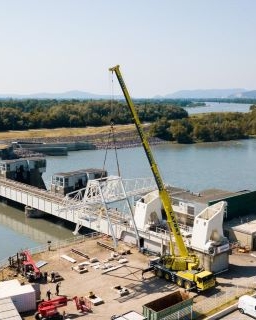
[(102, 285), (242, 271)]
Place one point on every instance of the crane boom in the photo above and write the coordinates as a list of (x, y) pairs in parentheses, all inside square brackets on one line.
[(164, 196)]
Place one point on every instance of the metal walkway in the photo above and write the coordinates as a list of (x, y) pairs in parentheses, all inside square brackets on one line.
[(40, 199), (98, 206)]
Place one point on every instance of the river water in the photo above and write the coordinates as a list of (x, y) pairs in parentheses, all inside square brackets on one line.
[(225, 165), (219, 107)]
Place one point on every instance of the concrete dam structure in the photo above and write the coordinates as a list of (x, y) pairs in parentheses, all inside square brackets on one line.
[(54, 148)]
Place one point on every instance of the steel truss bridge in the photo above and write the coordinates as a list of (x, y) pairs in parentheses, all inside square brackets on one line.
[(97, 206), (102, 199)]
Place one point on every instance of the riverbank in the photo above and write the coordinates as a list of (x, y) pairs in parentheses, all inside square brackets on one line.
[(125, 136)]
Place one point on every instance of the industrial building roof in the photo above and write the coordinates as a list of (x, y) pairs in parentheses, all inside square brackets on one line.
[(204, 196), (12, 288), (245, 224), (8, 310)]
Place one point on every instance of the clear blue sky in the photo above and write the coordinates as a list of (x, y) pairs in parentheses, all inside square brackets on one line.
[(162, 46)]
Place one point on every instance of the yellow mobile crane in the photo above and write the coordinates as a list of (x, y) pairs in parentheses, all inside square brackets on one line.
[(182, 268)]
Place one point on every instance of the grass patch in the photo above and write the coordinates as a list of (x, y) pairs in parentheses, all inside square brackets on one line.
[(62, 132)]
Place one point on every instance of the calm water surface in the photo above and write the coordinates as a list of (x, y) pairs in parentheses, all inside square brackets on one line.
[(225, 165), (219, 107), (17, 232)]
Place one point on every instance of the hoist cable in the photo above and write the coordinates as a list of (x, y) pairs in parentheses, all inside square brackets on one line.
[(114, 141), (111, 131), (106, 152)]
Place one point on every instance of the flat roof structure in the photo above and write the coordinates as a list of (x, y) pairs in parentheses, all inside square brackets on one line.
[(8, 310), (77, 172), (246, 224), (23, 296), (204, 196)]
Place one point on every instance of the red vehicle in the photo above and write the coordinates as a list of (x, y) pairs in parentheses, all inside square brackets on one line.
[(29, 268), (83, 304), (48, 309)]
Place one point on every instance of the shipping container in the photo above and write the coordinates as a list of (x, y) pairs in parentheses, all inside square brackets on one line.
[(174, 306), (23, 296)]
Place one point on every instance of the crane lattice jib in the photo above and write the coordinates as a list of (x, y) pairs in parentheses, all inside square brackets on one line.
[(164, 196)]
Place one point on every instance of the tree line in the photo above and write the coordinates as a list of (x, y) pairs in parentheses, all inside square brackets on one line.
[(209, 127), (36, 114), (168, 119)]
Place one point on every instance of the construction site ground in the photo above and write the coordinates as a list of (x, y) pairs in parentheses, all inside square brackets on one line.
[(129, 276)]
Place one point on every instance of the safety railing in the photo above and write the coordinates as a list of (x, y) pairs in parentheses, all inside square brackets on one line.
[(53, 246), (224, 297)]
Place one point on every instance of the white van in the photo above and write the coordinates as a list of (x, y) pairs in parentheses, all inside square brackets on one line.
[(247, 305)]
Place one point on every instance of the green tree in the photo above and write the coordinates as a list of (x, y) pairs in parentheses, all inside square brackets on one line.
[(181, 132), (161, 129)]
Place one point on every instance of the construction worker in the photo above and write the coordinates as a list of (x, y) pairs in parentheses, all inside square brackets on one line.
[(48, 294), (58, 288), (52, 276), (45, 276)]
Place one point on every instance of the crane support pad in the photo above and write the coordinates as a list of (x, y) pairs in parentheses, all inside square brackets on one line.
[(147, 270)]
